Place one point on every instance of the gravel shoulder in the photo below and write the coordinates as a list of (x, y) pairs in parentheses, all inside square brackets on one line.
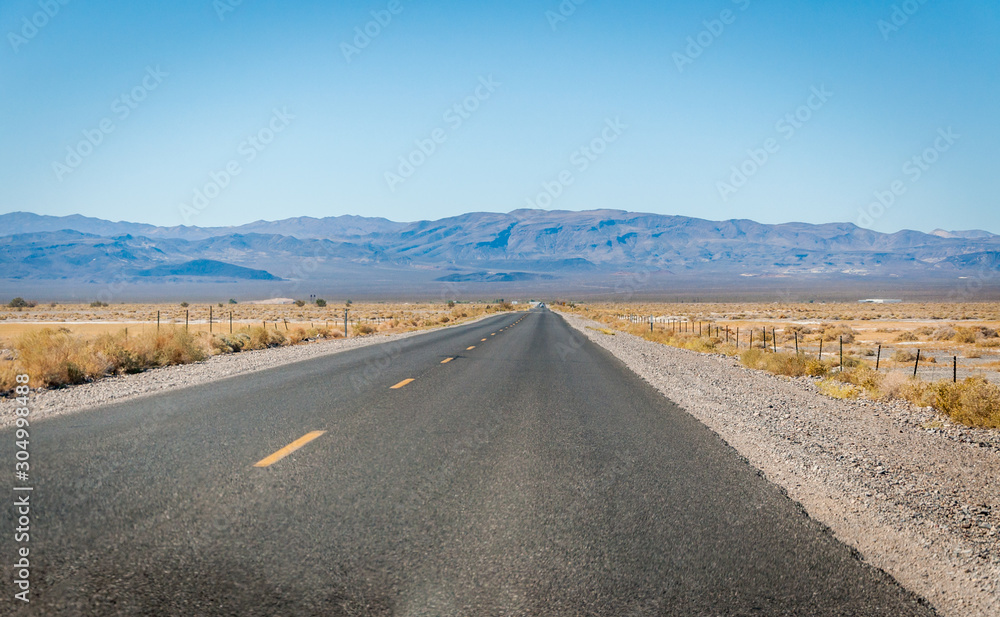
[(916, 495), (73, 399)]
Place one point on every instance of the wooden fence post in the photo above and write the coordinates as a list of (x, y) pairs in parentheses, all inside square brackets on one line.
[(916, 364)]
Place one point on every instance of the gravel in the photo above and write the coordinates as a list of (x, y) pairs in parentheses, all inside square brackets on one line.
[(915, 494)]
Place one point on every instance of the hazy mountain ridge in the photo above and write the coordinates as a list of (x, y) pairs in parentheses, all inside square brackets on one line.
[(491, 247)]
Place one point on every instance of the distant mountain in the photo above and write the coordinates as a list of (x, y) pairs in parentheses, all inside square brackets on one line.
[(304, 227), (208, 268), (537, 247), (972, 234)]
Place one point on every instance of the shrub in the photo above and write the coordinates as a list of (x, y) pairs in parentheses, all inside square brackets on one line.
[(98, 304), (972, 401), (167, 347), (964, 335), (184, 305), (232, 301), (906, 336), (363, 328), (300, 303), (790, 365), (20, 303), (835, 389), (903, 355), (834, 334), (815, 368), (321, 302), (296, 336), (944, 333), (262, 338)]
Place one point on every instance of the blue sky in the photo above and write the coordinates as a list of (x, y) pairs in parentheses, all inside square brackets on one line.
[(774, 111)]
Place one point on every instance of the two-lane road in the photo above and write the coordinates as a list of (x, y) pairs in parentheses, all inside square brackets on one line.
[(507, 467)]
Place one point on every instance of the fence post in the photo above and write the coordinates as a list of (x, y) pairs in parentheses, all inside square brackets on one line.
[(157, 321), (796, 343), (286, 323), (821, 348), (774, 340), (954, 366), (737, 338), (230, 322), (186, 315), (916, 364), (750, 344), (841, 354), (878, 356), (209, 318)]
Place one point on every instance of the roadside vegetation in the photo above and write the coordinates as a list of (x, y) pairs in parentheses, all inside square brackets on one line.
[(64, 354), (972, 400)]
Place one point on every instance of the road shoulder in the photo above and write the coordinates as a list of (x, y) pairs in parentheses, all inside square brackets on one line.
[(916, 504)]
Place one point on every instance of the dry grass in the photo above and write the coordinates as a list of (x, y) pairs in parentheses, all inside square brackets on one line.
[(973, 401), (72, 353)]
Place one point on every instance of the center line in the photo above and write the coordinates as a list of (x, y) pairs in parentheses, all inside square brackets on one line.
[(447, 360), (401, 384), (292, 447), (482, 341), (471, 347)]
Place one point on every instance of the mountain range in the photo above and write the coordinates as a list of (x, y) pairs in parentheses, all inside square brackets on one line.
[(532, 249)]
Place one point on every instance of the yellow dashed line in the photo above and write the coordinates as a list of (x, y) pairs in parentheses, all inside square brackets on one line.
[(482, 340), (292, 447), (447, 360), (401, 384)]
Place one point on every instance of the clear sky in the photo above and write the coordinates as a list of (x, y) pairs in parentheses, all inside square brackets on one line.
[(774, 111)]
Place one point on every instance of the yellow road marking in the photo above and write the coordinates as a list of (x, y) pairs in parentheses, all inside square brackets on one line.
[(401, 384), (494, 334), (447, 360), (470, 348), (292, 447), (482, 341)]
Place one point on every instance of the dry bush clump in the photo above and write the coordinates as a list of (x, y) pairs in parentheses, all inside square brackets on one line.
[(944, 333), (965, 335), (263, 338), (838, 390), (903, 355), (906, 337), (836, 332)]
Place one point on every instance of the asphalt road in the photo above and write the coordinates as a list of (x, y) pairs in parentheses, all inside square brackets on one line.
[(532, 474)]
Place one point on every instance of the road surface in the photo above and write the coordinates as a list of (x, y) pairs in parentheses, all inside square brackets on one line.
[(507, 467)]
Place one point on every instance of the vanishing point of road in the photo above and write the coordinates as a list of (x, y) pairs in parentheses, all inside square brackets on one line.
[(505, 467)]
